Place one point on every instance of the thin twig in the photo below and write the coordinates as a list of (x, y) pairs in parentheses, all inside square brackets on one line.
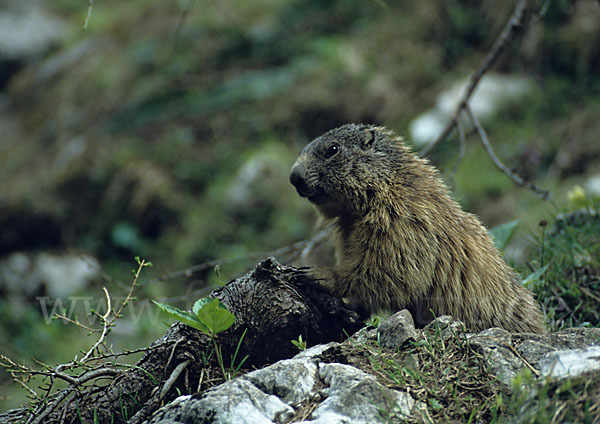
[(51, 406), (507, 34), (77, 381), (173, 352), (461, 151), (518, 355), (184, 14), (20, 369), (107, 321), (77, 323), (129, 352), (544, 194), (174, 375), (47, 403), (106, 327), (89, 14), (154, 401), (188, 272)]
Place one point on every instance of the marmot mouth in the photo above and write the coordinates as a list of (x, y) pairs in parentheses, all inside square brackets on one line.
[(317, 198), (313, 196)]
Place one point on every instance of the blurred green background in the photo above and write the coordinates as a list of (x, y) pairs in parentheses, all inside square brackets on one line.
[(166, 130)]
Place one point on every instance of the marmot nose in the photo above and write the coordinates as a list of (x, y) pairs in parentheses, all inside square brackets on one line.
[(297, 179)]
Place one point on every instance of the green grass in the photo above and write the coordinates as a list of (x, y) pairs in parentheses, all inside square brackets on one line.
[(439, 369), (544, 401), (456, 384), (570, 248)]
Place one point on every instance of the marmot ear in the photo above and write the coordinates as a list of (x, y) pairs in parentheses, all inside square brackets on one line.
[(369, 138)]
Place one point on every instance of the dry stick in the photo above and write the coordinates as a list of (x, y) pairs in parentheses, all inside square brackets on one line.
[(77, 381), (173, 352), (107, 322), (106, 319), (174, 375), (518, 355), (293, 248), (106, 327), (154, 401), (507, 34), (77, 323), (20, 369), (53, 404), (490, 151), (89, 14), (184, 14), (461, 151)]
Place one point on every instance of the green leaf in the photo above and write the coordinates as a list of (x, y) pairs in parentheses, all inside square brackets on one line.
[(535, 276), (215, 316), (502, 234), (300, 344), (199, 304), (183, 316)]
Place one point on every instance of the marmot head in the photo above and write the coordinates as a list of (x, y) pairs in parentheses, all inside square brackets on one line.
[(344, 171)]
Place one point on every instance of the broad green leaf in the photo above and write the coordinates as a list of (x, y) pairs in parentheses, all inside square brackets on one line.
[(534, 277), (184, 316), (199, 304), (502, 234), (215, 316)]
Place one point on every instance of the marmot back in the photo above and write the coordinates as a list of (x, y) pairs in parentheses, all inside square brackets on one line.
[(401, 240)]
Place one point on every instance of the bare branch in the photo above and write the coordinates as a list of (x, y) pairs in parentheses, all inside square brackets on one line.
[(106, 327), (461, 151), (50, 407), (499, 164), (507, 35), (174, 375), (292, 249), (77, 323), (89, 14), (184, 14)]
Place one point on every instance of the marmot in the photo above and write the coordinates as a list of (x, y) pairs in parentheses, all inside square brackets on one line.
[(401, 240)]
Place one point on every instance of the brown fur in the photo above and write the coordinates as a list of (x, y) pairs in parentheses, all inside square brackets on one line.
[(401, 240)]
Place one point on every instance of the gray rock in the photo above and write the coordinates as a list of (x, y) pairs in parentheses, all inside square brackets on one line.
[(27, 29), (365, 334), (448, 326), (441, 322), (397, 329), (291, 380), (263, 173), (237, 401), (65, 274), (315, 351), (493, 92), (343, 393), (592, 185), (354, 396), (510, 353), (339, 393), (61, 275), (494, 344), (571, 363)]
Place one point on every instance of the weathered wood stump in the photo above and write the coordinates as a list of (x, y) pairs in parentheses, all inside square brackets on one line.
[(273, 305)]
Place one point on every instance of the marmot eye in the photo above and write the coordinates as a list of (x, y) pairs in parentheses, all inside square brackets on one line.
[(332, 151)]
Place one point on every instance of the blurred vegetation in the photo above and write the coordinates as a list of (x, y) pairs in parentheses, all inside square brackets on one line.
[(570, 250), (167, 130)]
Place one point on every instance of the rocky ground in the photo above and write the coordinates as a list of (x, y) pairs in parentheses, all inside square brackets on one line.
[(391, 374)]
